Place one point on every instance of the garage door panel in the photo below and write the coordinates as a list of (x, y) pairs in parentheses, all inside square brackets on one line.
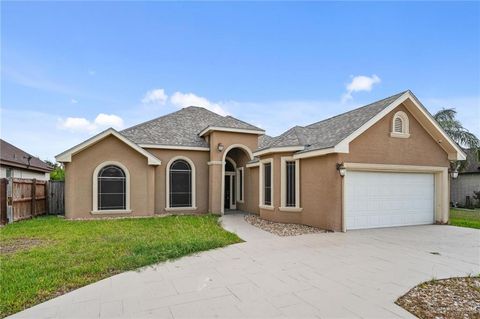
[(374, 199)]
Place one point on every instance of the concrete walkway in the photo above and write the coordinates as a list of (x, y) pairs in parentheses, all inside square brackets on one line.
[(358, 274)]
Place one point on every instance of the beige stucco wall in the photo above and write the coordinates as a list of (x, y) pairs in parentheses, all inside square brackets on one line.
[(376, 146), (321, 185), (79, 179), (199, 159)]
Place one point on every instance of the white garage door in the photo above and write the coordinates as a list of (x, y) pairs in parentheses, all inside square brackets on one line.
[(388, 199)]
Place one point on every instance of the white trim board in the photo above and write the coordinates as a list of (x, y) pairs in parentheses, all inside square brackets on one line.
[(278, 150), (175, 147), (233, 130), (66, 156)]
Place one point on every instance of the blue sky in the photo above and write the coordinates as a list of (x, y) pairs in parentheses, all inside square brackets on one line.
[(69, 70)]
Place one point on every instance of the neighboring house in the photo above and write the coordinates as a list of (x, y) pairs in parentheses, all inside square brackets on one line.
[(394, 157), (468, 180), (15, 162)]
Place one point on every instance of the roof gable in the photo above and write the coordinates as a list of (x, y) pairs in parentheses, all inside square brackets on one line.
[(327, 133), (334, 134), (67, 155)]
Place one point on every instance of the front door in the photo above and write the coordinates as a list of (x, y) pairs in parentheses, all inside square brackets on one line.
[(229, 199)]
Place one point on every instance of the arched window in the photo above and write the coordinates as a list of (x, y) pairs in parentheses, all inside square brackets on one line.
[(111, 188), (400, 125), (180, 184)]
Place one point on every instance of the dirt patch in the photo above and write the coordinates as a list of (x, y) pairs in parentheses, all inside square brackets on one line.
[(19, 244), (281, 229), (446, 298)]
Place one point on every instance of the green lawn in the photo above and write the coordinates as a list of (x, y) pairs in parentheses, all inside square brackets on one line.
[(48, 256), (465, 218)]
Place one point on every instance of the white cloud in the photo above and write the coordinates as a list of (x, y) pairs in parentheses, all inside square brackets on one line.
[(156, 96), (360, 83), (81, 124), (73, 101), (180, 99), (108, 120), (76, 124)]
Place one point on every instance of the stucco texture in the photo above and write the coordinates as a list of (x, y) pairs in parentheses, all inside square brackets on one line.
[(199, 159), (79, 178), (321, 185)]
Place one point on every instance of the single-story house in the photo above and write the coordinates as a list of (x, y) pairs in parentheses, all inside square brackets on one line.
[(383, 164), (468, 181), (15, 162)]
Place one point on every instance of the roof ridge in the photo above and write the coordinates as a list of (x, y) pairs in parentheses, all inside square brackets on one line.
[(165, 115), (356, 109)]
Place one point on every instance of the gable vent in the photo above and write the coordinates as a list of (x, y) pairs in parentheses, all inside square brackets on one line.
[(398, 125)]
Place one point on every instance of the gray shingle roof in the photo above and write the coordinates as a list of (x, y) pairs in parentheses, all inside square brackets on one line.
[(11, 155), (181, 128), (231, 122), (264, 140), (327, 133)]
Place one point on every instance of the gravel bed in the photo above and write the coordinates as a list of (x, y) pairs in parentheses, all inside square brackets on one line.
[(446, 298), (281, 229)]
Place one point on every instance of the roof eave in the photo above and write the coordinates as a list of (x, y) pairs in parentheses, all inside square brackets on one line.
[(25, 166), (280, 149), (210, 129), (66, 156)]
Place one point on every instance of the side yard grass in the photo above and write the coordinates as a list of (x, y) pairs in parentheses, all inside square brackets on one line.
[(465, 218), (49, 256)]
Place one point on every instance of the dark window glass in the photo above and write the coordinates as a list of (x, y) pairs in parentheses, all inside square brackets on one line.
[(290, 189), (267, 184), (180, 184), (229, 167), (111, 188), (240, 184), (234, 189)]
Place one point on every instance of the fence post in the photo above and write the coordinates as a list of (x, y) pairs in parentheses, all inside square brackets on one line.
[(34, 197), (47, 198), (3, 201)]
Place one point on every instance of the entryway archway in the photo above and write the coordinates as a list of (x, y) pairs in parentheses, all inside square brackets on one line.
[(233, 189)]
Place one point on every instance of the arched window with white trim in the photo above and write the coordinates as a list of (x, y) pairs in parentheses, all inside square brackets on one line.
[(111, 188), (400, 125), (180, 183)]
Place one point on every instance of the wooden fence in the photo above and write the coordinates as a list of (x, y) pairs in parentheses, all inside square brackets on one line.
[(56, 197), (25, 198)]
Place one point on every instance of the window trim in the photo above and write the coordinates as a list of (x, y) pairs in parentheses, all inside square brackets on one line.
[(167, 185), (283, 185), (405, 125), (261, 188), (95, 210), (241, 188)]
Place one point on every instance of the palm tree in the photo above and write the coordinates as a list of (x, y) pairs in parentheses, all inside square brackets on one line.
[(454, 129)]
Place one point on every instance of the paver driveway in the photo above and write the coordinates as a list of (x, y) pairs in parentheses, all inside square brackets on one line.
[(332, 275)]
